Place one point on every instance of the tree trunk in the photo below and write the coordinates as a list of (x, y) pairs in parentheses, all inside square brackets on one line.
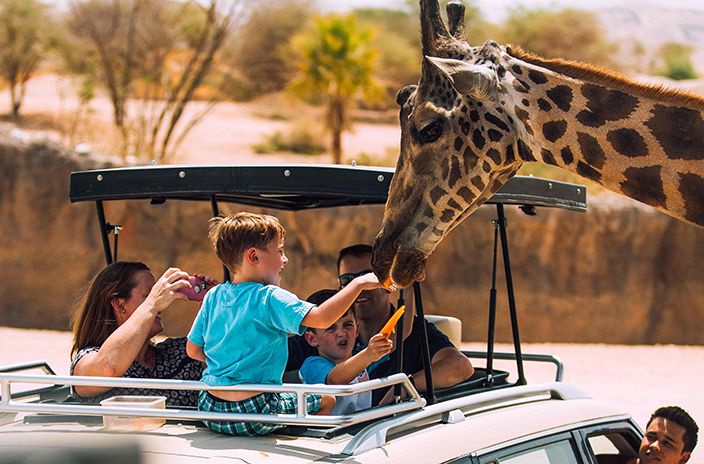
[(337, 146), (15, 101)]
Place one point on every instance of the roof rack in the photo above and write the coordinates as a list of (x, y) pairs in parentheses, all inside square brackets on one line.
[(449, 412), (415, 401)]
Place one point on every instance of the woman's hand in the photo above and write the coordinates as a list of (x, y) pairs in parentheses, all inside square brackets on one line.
[(164, 292)]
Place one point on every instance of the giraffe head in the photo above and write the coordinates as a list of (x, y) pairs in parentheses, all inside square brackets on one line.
[(462, 132)]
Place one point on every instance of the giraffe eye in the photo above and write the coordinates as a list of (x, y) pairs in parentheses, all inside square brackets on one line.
[(431, 132)]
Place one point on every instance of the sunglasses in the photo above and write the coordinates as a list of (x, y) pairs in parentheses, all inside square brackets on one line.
[(345, 279)]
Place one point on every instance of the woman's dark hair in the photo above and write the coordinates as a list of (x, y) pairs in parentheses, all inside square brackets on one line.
[(94, 320)]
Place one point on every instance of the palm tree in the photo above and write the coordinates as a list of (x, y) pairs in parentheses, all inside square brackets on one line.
[(336, 64)]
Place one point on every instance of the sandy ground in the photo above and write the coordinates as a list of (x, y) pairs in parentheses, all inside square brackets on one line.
[(638, 379), (225, 135)]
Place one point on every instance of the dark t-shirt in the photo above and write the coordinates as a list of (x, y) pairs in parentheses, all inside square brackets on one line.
[(299, 350)]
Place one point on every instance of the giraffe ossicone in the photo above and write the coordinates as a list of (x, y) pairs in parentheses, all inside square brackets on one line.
[(479, 113)]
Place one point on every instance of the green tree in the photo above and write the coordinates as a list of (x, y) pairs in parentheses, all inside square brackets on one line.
[(24, 37), (569, 34), (677, 61), (336, 65)]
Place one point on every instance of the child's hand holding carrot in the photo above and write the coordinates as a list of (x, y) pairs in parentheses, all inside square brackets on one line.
[(379, 346)]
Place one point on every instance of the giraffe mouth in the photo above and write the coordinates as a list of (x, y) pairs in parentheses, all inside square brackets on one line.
[(404, 266)]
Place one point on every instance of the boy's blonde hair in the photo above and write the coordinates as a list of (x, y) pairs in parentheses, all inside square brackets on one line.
[(232, 235)]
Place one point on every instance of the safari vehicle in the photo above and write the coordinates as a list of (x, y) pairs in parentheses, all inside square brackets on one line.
[(490, 418)]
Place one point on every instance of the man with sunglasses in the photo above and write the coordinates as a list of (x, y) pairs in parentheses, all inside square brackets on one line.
[(372, 309)]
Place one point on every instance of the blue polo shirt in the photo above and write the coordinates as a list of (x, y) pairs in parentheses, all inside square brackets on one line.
[(243, 330)]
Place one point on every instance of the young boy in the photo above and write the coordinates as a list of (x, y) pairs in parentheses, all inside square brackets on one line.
[(242, 328), (336, 365)]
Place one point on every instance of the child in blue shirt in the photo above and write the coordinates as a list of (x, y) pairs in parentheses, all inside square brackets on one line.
[(336, 365), (242, 328)]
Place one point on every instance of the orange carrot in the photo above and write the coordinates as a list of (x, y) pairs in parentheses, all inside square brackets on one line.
[(387, 283), (389, 326)]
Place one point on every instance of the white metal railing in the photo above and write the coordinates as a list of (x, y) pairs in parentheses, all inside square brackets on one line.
[(7, 404)]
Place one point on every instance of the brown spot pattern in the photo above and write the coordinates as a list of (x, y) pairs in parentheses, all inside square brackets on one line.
[(517, 69), (436, 194), (554, 130), (567, 155), (470, 159), (496, 121), (583, 169), (453, 204), (478, 139), (510, 155), (680, 131), (464, 126), (548, 157), (628, 142), (692, 191), (458, 143), (447, 215), (561, 96), (544, 105), (494, 155), (454, 171), (494, 135), (525, 152), (605, 105), (478, 183), (537, 76), (466, 194), (644, 184), (591, 150)]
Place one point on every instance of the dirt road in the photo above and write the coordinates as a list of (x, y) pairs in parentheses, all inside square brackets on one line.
[(637, 378)]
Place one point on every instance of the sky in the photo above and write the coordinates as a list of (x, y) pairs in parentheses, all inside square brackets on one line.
[(495, 10)]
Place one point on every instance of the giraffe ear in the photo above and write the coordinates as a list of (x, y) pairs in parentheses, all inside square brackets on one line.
[(477, 81)]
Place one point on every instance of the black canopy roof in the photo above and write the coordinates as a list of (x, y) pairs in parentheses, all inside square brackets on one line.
[(289, 187)]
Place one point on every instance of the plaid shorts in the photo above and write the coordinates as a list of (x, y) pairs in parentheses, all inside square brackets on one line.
[(264, 403)]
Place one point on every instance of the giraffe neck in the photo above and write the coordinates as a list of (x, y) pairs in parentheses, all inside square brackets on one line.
[(638, 140)]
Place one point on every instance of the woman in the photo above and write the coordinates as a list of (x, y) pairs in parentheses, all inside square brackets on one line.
[(112, 333)]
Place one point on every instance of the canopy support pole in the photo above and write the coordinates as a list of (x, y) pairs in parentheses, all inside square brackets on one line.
[(509, 290), (216, 212), (425, 351)]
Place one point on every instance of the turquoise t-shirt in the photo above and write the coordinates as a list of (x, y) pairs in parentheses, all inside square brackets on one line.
[(315, 369), (243, 330)]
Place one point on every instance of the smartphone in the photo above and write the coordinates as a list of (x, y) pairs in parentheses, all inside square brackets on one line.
[(198, 289)]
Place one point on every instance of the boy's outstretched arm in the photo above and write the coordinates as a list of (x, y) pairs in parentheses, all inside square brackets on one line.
[(323, 316), (194, 351), (347, 370)]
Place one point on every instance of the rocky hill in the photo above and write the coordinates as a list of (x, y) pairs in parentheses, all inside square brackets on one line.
[(622, 273)]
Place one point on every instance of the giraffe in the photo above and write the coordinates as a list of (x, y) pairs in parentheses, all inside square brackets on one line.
[(479, 113)]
